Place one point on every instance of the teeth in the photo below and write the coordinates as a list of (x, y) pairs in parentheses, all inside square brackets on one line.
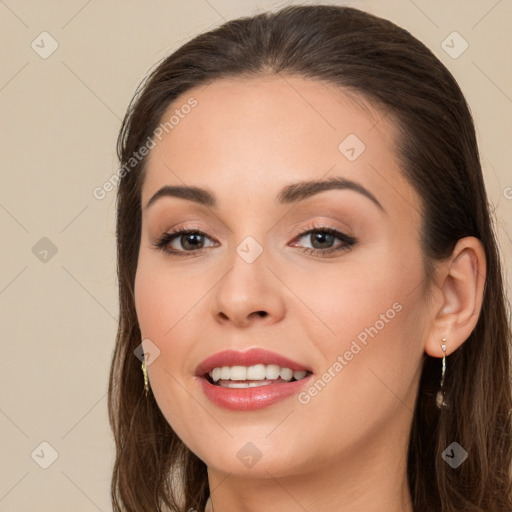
[(258, 372), (286, 374), (247, 384), (238, 373), (273, 371), (300, 374), (216, 374)]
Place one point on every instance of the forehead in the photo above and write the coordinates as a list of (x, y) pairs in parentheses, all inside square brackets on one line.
[(268, 131)]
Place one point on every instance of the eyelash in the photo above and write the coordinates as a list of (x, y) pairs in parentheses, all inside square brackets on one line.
[(348, 241)]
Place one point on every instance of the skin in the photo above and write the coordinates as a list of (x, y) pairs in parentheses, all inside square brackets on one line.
[(247, 138)]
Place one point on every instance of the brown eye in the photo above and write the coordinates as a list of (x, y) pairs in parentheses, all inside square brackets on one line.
[(184, 242), (191, 241)]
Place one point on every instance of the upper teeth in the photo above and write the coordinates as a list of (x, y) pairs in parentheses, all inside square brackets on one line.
[(256, 372)]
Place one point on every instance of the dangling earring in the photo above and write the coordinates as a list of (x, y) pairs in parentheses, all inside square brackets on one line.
[(440, 401), (145, 373)]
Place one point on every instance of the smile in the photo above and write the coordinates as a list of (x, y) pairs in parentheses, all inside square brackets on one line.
[(256, 378)]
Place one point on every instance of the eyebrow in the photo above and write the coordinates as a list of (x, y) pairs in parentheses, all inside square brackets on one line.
[(289, 194)]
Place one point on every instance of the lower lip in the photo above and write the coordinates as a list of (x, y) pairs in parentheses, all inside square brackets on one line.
[(250, 399)]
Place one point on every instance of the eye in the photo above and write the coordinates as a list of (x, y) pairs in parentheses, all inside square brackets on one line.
[(322, 240), (183, 242)]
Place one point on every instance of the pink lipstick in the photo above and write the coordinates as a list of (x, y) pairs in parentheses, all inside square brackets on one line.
[(250, 380)]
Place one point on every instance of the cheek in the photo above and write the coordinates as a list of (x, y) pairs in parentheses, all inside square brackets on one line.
[(367, 295), (170, 313), (369, 381), (163, 297), (367, 326)]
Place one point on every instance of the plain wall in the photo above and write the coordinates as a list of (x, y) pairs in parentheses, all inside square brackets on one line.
[(59, 121)]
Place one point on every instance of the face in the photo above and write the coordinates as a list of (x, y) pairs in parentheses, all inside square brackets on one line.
[(327, 276)]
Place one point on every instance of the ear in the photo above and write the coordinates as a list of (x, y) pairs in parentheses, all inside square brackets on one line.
[(457, 300)]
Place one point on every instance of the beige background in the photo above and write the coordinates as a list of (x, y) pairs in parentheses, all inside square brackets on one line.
[(59, 121)]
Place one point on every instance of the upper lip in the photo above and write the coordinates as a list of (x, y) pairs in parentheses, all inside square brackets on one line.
[(248, 358)]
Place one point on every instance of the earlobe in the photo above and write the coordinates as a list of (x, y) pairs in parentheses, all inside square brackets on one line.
[(461, 283)]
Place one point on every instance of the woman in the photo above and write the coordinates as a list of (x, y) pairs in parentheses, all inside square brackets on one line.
[(308, 271)]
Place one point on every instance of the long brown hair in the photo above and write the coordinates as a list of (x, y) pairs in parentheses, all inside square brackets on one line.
[(437, 149)]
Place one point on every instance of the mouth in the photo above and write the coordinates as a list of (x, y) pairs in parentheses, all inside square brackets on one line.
[(251, 380)]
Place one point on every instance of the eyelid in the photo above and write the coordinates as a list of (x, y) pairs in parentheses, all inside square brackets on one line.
[(345, 238), (191, 226), (292, 234), (321, 225)]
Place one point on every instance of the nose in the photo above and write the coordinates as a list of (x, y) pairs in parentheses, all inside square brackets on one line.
[(248, 293)]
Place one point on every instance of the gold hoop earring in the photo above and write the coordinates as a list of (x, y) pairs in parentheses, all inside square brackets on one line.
[(145, 374), (440, 398)]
